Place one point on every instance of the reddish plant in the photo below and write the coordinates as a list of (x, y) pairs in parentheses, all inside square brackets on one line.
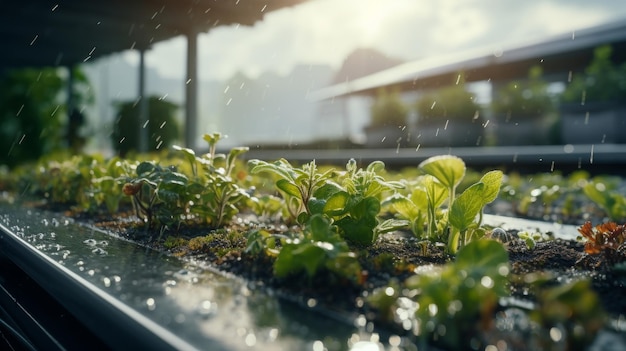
[(607, 238)]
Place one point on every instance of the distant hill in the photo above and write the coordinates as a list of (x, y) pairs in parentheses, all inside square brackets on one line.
[(362, 62)]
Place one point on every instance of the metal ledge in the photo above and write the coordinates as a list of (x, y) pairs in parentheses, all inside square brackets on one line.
[(112, 323)]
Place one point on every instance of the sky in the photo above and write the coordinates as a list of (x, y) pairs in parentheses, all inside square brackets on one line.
[(326, 31)]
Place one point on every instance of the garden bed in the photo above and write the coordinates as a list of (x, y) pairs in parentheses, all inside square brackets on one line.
[(414, 256)]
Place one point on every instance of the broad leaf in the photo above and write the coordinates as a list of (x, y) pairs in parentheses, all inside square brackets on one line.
[(288, 187), (466, 207), (492, 181), (336, 204), (487, 254), (435, 191), (448, 169)]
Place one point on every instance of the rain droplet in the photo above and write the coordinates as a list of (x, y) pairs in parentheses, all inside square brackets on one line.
[(151, 304)]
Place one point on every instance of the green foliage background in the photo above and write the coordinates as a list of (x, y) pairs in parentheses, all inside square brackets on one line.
[(163, 128)]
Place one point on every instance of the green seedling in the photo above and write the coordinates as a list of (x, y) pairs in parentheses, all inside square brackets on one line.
[(457, 300), (298, 185), (318, 248), (448, 170), (159, 194), (356, 205), (213, 192), (422, 208), (468, 207), (607, 198), (107, 185), (571, 312)]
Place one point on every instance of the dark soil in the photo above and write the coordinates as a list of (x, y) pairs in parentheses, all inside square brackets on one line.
[(392, 257)]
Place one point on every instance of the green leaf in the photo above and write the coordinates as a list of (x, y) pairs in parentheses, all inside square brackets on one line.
[(345, 264), (482, 253), (336, 204), (375, 167), (233, 154), (358, 231), (436, 192), (448, 169), (212, 138), (403, 206), (316, 206), (492, 181), (189, 154), (144, 168), (466, 207), (391, 225), (294, 258), (367, 207), (288, 187), (327, 190)]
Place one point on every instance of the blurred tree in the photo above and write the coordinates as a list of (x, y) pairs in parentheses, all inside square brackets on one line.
[(33, 111), (31, 114), (163, 129)]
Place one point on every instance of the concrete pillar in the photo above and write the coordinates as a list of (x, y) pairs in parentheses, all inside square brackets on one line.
[(142, 104), (191, 90)]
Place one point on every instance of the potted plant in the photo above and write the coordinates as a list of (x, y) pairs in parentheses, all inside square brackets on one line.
[(524, 112), (593, 105), (389, 121), (449, 117)]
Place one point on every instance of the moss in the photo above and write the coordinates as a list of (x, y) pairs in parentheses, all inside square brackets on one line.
[(173, 242)]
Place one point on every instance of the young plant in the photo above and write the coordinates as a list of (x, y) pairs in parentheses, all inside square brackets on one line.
[(158, 194), (448, 170), (356, 205), (469, 205), (608, 239), (571, 310), (604, 196), (422, 208), (460, 298), (296, 184), (106, 187), (213, 192), (318, 248)]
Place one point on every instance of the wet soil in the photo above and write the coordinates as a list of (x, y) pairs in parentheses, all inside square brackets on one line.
[(393, 257)]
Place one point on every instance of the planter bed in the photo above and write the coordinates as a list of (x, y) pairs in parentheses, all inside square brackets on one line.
[(565, 259), (523, 287)]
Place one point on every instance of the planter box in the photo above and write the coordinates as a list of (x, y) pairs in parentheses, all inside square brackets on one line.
[(456, 133), (593, 123)]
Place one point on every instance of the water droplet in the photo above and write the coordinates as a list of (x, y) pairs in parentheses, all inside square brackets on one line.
[(487, 282), (433, 309), (151, 303), (250, 339), (555, 334), (99, 251)]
